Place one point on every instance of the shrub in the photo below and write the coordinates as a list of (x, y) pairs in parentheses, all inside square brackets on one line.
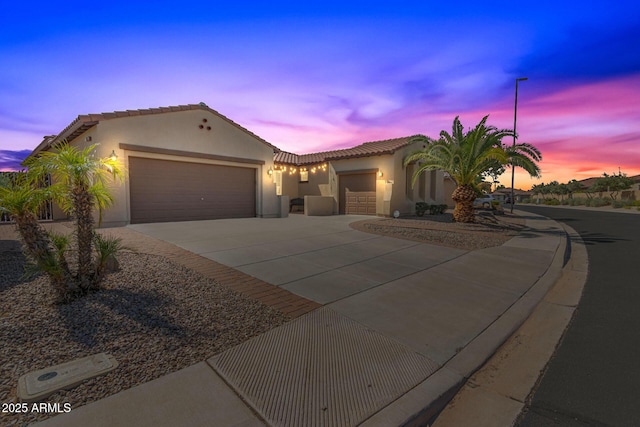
[(525, 200), (564, 202), (598, 202), (437, 209), (552, 202), (580, 201), (421, 208)]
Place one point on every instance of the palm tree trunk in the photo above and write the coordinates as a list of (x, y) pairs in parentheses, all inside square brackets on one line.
[(39, 248), (464, 196), (83, 204), (34, 237)]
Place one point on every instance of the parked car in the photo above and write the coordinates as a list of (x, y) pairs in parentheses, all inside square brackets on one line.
[(484, 201)]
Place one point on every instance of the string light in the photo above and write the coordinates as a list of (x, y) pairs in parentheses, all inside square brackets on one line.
[(321, 167)]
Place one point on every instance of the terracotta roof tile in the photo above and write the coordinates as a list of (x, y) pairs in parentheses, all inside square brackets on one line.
[(367, 149)]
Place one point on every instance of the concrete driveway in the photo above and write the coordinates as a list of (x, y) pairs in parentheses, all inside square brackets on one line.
[(319, 258)]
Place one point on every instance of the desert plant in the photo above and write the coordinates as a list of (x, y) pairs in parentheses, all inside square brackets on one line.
[(421, 208), (107, 247), (80, 185), (467, 155)]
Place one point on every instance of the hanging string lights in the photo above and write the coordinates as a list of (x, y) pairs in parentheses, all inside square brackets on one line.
[(321, 167)]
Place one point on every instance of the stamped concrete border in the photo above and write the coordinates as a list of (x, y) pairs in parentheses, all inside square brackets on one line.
[(273, 296), (290, 304)]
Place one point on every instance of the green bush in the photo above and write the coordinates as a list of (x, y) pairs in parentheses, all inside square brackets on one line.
[(597, 202), (421, 208), (564, 202), (526, 200), (551, 202), (580, 201), (437, 209)]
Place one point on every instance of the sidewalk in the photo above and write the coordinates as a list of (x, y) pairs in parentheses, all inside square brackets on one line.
[(387, 355)]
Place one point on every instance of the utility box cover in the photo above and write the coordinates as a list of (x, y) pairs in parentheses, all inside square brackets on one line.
[(37, 385)]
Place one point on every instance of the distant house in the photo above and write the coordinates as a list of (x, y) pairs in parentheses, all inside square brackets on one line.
[(190, 162)]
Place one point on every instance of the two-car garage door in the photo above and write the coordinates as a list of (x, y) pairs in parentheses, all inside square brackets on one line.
[(164, 190)]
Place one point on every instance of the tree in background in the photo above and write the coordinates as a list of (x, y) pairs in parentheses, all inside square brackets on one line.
[(612, 184)]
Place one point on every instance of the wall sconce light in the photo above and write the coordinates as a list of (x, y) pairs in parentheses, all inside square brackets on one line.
[(113, 156), (270, 171), (379, 174)]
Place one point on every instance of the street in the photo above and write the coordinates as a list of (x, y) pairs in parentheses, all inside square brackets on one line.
[(594, 376)]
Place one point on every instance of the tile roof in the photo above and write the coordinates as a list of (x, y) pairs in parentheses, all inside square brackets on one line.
[(86, 121), (374, 148)]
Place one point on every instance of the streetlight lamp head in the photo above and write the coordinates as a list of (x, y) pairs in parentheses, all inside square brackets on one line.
[(522, 79)]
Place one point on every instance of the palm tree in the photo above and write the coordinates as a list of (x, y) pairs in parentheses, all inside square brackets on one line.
[(21, 201), (467, 155), (80, 185)]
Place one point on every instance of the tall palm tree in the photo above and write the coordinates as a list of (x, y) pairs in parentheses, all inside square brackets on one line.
[(80, 185), (466, 155)]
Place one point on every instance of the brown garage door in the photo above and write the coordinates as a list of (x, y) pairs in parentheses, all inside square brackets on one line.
[(163, 190), (358, 193)]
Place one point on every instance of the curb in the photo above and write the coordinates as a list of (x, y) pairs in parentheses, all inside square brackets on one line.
[(497, 393), (426, 401)]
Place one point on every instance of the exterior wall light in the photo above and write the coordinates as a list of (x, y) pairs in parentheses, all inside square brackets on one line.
[(113, 156), (379, 174), (270, 171)]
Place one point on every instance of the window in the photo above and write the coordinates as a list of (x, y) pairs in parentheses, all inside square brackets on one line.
[(304, 175)]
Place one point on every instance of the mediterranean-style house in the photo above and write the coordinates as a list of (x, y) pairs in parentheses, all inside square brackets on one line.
[(190, 162)]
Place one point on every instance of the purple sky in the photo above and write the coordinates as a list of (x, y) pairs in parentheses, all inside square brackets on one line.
[(322, 75)]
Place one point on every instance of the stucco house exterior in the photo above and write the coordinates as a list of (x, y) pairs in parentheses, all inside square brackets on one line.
[(368, 179), (190, 162)]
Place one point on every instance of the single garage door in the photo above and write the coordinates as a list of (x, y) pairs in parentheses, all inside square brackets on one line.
[(357, 193), (163, 190)]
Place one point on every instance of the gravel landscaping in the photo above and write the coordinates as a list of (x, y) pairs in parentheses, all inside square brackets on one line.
[(155, 317), (489, 230)]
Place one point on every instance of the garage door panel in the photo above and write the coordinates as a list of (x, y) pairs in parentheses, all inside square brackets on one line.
[(163, 190), (357, 193)]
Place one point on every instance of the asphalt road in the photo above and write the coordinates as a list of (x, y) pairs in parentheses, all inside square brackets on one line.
[(594, 377)]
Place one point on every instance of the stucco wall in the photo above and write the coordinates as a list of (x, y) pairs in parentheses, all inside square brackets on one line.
[(181, 131), (391, 188)]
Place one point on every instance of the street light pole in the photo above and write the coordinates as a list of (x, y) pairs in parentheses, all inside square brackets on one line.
[(515, 116)]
